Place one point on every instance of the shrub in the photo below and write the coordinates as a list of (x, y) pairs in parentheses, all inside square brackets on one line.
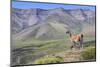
[(89, 53), (47, 60)]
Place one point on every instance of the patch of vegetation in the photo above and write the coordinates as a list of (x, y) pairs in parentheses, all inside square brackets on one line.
[(88, 53), (48, 60)]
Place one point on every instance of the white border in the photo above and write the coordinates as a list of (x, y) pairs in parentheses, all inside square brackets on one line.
[(5, 33)]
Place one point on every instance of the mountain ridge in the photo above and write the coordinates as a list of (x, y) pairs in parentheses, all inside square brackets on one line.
[(33, 19)]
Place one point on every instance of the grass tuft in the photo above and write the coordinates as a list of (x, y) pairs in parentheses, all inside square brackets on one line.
[(88, 53), (48, 60)]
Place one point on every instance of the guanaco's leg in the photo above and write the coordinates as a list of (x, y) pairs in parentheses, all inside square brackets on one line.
[(73, 45), (81, 43)]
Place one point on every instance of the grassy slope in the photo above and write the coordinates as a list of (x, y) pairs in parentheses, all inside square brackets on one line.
[(31, 49), (34, 48)]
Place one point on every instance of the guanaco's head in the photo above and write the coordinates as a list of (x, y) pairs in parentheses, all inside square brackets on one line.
[(67, 32)]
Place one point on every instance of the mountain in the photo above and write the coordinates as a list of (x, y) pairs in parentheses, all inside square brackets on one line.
[(51, 23)]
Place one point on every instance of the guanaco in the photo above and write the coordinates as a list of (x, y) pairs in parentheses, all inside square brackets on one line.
[(77, 40)]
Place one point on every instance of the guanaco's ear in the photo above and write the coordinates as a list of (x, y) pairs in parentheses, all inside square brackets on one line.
[(67, 32)]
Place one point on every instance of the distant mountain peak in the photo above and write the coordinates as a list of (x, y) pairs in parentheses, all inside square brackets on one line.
[(29, 22)]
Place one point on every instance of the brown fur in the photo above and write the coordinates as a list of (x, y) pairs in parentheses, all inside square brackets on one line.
[(77, 40)]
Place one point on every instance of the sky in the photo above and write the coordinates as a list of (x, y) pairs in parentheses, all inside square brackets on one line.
[(28, 5)]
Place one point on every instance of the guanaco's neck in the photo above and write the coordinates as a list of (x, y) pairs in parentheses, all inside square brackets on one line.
[(70, 34)]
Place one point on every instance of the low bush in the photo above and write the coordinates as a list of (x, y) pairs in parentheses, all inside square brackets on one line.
[(48, 60), (88, 53)]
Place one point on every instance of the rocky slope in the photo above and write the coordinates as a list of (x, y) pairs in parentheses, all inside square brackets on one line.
[(40, 23)]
